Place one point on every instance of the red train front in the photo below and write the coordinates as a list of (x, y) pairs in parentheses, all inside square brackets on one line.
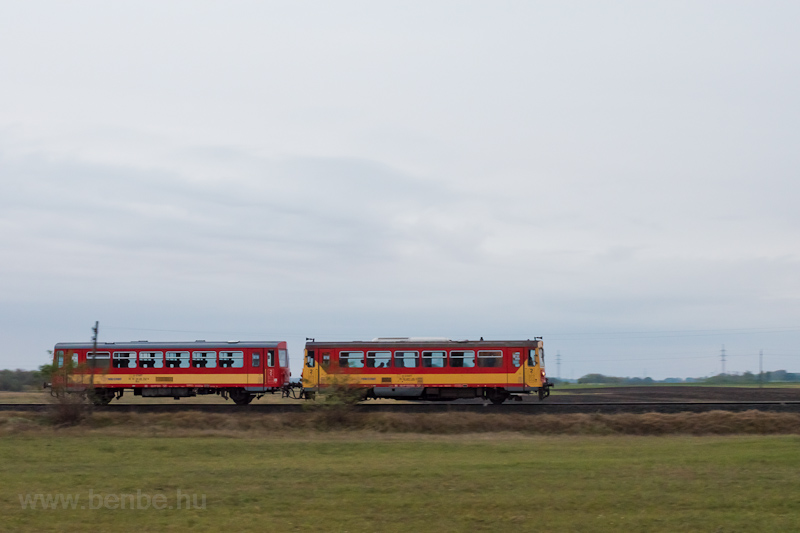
[(238, 370)]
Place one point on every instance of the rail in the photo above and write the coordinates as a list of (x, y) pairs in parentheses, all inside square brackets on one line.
[(440, 407)]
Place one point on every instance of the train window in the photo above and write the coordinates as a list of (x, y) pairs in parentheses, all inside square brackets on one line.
[(271, 357), (433, 359), (379, 359), (60, 359), (283, 358), (204, 359), (462, 359), (177, 359), (531, 357), (256, 359), (124, 360), (98, 359), (406, 359), (516, 358), (490, 358), (351, 359), (151, 359), (231, 359), (309, 358)]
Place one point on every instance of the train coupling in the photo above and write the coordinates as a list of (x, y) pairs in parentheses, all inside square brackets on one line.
[(295, 391)]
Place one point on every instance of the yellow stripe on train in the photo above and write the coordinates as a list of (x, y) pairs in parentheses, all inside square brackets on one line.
[(460, 379), (182, 380)]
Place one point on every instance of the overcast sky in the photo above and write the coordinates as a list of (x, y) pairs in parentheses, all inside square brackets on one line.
[(620, 178)]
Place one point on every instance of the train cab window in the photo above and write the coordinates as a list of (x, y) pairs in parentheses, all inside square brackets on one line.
[(283, 358), (60, 360), (124, 360), (516, 359), (204, 359), (256, 359), (231, 359), (532, 357), (177, 359), (351, 359), (151, 359), (433, 359), (490, 358), (406, 359), (310, 358), (379, 359), (270, 357), (463, 359), (98, 360)]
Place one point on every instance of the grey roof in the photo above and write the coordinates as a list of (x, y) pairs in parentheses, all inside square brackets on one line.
[(425, 341), (146, 345)]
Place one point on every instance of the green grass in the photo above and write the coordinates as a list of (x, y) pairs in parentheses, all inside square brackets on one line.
[(370, 482)]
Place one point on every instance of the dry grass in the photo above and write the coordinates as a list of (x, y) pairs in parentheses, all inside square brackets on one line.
[(242, 424), (39, 396)]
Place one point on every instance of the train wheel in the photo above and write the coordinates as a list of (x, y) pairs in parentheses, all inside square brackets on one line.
[(497, 397), (101, 396), (241, 397)]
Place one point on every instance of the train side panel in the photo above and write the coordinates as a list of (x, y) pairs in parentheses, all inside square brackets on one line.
[(430, 370), (175, 369)]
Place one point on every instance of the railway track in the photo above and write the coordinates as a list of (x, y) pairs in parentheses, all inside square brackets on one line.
[(424, 407)]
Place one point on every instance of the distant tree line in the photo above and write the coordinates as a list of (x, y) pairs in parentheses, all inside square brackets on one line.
[(720, 379), (749, 378), (613, 380), (20, 380)]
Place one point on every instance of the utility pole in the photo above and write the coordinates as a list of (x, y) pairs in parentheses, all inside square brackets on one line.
[(760, 368), (558, 363), (92, 366), (94, 338), (722, 357)]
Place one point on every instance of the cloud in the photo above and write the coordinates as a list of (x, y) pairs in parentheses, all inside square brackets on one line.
[(510, 170)]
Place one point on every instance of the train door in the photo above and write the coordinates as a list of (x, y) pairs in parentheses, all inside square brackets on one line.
[(311, 370), (516, 375), (270, 372), (255, 378), (532, 368)]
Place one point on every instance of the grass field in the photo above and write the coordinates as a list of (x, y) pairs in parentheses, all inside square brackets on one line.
[(365, 481)]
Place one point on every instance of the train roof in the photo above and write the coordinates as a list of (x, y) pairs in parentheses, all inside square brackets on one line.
[(426, 341), (147, 345)]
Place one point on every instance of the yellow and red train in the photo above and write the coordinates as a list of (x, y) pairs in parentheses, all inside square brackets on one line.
[(402, 368), (237, 370), (429, 368)]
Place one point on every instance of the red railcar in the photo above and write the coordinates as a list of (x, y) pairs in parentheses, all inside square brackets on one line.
[(428, 369), (239, 370)]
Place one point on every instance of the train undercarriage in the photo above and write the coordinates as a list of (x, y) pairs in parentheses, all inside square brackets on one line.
[(104, 395)]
